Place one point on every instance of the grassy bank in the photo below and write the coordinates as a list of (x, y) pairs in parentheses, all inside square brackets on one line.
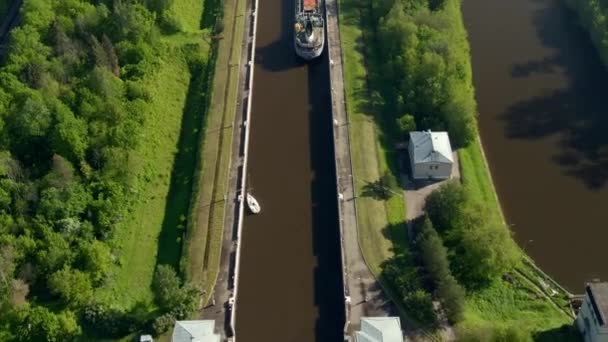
[(519, 303), (152, 232), (206, 218)]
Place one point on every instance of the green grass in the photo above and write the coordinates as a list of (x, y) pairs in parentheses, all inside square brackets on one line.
[(164, 162), (377, 220), (207, 216), (136, 238), (520, 304), (476, 178), (189, 13), (506, 305), (523, 304)]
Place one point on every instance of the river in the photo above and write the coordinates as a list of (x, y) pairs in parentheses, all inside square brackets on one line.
[(542, 94), (290, 282)]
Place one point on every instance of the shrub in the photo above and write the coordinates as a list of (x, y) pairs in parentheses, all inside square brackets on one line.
[(163, 323), (107, 320), (180, 301), (406, 124), (419, 305)]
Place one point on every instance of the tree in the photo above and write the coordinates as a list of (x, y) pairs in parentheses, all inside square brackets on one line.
[(435, 259), (106, 319), (406, 124), (434, 255), (162, 323), (53, 251), (444, 205), (39, 324), (382, 188), (486, 252), (166, 287), (159, 6), (72, 286), (96, 260), (69, 138), (452, 298), (7, 268), (420, 305), (132, 21), (180, 301), (33, 119)]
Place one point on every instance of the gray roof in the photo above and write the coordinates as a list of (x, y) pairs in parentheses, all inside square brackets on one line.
[(431, 147), (598, 293), (379, 329), (195, 331)]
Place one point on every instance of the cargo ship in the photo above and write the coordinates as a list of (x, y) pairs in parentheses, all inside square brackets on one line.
[(309, 35)]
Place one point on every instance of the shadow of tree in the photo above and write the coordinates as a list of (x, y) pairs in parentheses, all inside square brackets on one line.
[(576, 114), (565, 333), (372, 88), (380, 189), (184, 165)]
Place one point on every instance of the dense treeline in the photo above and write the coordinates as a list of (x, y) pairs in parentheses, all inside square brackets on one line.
[(72, 106), (424, 74), (594, 17)]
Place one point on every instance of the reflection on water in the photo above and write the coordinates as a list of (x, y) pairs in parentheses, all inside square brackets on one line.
[(541, 90)]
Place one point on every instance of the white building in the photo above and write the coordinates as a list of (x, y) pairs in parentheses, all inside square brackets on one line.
[(430, 155), (592, 319), (379, 329), (195, 331)]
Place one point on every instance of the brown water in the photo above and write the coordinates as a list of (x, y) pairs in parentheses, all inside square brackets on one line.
[(290, 285), (543, 104)]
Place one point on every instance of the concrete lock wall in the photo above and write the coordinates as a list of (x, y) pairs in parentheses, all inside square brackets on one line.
[(337, 122), (243, 170)]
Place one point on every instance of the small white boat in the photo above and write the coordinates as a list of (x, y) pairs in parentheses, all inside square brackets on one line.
[(253, 204)]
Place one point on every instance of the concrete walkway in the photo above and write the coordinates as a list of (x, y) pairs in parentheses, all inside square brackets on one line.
[(364, 291), (219, 309)]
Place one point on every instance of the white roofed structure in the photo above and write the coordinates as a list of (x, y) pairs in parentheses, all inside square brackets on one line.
[(431, 155), (379, 329), (195, 331)]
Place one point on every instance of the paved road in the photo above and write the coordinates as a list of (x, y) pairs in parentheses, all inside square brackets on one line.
[(366, 295)]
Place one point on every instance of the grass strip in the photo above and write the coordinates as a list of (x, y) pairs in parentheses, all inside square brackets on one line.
[(206, 218)]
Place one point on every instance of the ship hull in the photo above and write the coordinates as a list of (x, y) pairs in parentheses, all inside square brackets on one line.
[(308, 54)]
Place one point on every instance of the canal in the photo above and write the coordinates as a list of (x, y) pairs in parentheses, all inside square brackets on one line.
[(290, 286), (541, 91)]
